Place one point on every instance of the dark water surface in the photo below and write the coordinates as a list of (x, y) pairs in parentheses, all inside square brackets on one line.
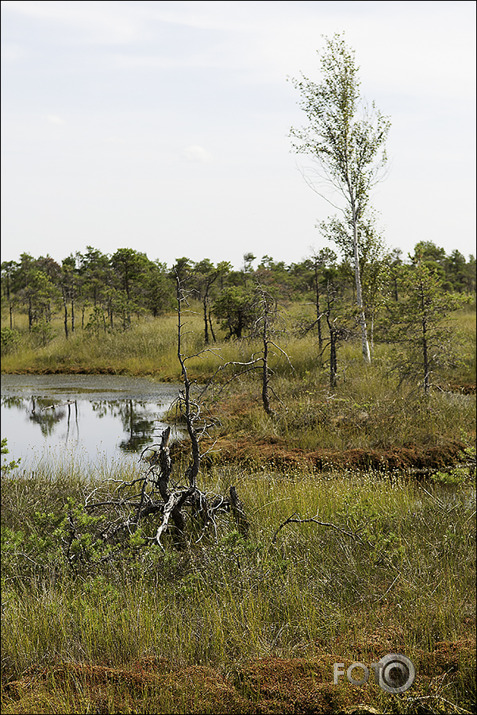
[(88, 418)]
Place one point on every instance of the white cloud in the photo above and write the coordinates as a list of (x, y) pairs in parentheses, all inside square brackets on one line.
[(133, 83), (11, 52), (54, 119), (159, 62), (197, 154), (104, 22), (271, 44)]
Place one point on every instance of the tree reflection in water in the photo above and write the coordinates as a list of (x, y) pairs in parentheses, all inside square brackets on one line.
[(46, 415), (138, 425), (87, 418), (139, 428)]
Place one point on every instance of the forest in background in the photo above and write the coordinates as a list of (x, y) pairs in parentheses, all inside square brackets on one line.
[(284, 339), (99, 292)]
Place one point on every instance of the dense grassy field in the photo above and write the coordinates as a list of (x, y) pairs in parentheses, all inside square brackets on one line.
[(149, 347), (254, 625), (233, 624)]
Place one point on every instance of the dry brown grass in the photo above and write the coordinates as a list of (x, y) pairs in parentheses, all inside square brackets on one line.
[(275, 453), (263, 685)]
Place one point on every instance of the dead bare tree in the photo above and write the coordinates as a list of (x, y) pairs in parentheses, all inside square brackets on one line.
[(185, 511), (337, 331), (268, 315), (267, 307)]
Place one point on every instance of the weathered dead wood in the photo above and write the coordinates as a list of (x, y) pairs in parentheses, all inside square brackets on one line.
[(173, 508), (165, 465), (191, 512), (296, 519)]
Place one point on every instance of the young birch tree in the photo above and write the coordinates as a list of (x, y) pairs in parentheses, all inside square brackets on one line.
[(348, 142)]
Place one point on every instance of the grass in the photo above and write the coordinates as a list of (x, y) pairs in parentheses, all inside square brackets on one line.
[(369, 419), (314, 594), (255, 625), (368, 412), (150, 347)]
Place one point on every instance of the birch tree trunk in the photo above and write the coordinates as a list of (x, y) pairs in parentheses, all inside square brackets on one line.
[(359, 296)]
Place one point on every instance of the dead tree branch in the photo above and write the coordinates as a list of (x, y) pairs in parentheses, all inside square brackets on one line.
[(296, 519), (130, 508)]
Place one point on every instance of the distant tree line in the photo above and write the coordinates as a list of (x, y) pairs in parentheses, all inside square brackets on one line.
[(404, 301), (96, 291)]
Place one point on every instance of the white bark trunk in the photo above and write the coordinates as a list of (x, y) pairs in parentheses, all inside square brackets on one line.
[(359, 296)]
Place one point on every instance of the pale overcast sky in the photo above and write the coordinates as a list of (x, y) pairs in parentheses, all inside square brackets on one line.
[(163, 126)]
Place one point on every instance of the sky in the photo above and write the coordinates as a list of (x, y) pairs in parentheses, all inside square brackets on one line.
[(164, 126)]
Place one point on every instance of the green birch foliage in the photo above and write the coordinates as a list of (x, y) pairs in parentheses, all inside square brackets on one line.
[(343, 134), (347, 139)]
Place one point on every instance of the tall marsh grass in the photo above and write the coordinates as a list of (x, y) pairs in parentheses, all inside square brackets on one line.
[(149, 346), (408, 581)]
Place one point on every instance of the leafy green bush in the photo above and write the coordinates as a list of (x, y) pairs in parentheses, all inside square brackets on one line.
[(457, 475), (9, 466)]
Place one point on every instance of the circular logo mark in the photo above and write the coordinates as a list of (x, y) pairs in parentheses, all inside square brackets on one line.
[(396, 673)]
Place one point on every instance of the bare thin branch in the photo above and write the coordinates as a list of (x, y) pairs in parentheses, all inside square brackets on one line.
[(296, 519)]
